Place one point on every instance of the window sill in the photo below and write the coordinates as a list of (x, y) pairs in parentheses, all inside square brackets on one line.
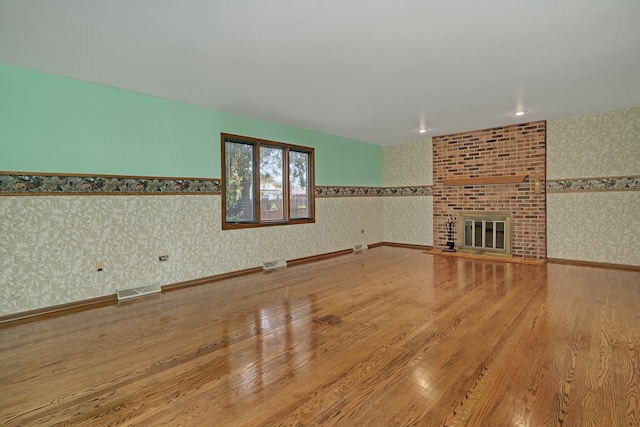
[(243, 225)]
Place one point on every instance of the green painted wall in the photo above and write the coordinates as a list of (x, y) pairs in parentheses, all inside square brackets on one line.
[(60, 125)]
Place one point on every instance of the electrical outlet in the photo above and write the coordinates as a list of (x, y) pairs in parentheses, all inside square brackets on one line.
[(163, 257), (99, 265)]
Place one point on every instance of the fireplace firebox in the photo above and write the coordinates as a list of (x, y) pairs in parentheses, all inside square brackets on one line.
[(485, 232)]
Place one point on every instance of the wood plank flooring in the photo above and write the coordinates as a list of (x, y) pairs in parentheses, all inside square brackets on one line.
[(388, 337)]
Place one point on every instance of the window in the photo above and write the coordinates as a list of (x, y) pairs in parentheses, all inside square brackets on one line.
[(265, 183)]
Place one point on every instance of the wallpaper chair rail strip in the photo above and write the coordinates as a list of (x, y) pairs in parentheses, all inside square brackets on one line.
[(43, 184), (39, 184)]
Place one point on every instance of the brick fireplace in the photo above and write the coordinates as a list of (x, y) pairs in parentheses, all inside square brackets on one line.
[(499, 169)]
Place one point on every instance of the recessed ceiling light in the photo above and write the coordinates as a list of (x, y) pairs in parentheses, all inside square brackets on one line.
[(520, 113), (422, 130)]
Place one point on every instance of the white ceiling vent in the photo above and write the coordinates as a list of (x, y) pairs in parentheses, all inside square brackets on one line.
[(139, 291), (271, 265)]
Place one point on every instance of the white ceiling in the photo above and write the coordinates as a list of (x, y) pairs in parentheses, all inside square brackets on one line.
[(370, 70)]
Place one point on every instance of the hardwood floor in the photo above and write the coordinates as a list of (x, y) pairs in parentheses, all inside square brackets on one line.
[(388, 337)]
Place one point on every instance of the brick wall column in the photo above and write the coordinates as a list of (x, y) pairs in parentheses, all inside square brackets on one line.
[(509, 150)]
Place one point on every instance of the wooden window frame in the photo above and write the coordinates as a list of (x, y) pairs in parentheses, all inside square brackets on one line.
[(259, 222)]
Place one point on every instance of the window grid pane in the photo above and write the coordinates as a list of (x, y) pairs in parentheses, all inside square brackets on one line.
[(299, 196), (272, 206), (240, 204)]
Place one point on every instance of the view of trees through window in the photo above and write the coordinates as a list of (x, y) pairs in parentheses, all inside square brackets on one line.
[(265, 182)]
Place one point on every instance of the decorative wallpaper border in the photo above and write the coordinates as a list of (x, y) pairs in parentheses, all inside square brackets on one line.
[(47, 184), (373, 191), (618, 183), (348, 191), (16, 183), (12, 184)]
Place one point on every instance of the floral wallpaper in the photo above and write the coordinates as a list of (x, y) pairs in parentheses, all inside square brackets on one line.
[(408, 170), (50, 245), (594, 226), (408, 220), (408, 164), (593, 174), (596, 145)]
